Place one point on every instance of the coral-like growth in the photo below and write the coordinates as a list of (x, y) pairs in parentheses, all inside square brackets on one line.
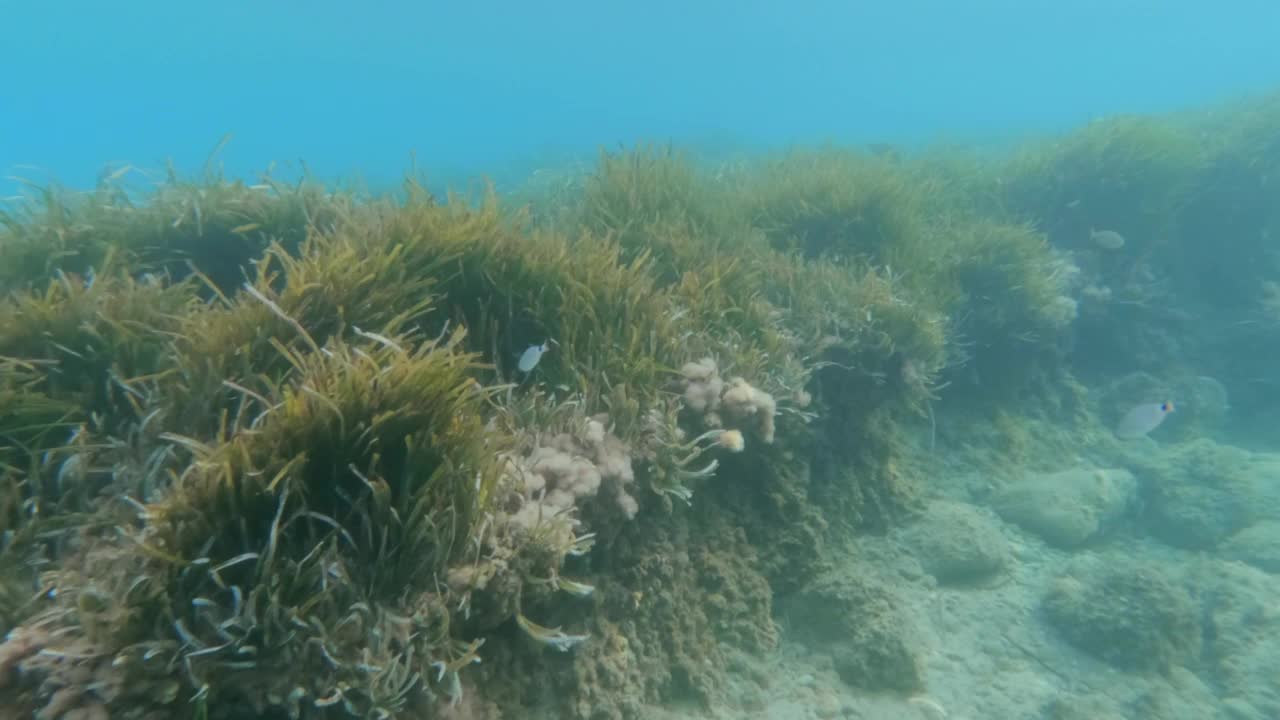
[(750, 406), (557, 474), (735, 401)]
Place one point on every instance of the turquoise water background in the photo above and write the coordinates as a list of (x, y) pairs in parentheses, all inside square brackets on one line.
[(504, 87)]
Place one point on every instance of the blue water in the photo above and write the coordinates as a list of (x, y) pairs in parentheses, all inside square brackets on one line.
[(354, 88)]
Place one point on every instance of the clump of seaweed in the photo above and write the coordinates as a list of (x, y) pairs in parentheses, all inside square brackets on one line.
[(334, 491), (79, 356), (330, 284), (90, 337), (621, 334), (1129, 174), (318, 481), (209, 222), (631, 193), (839, 203), (30, 419), (700, 247), (772, 317), (1012, 305), (299, 558)]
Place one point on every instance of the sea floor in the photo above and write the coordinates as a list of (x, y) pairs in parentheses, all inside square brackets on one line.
[(988, 651)]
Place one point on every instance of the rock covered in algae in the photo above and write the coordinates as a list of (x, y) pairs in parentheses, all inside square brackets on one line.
[(859, 621), (1068, 508), (1258, 545), (1203, 492), (1076, 706), (1241, 658), (1132, 615), (957, 543)]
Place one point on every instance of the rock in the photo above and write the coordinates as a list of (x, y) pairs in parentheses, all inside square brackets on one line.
[(1130, 614), (1182, 703), (1257, 545), (1239, 709), (1069, 508), (1201, 493), (1082, 706), (957, 543), (858, 620), (1242, 622)]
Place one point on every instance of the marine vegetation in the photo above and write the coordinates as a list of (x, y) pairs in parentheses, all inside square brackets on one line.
[(270, 449)]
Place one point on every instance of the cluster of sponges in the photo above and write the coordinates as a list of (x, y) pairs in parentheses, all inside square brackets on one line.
[(735, 402), (570, 467)]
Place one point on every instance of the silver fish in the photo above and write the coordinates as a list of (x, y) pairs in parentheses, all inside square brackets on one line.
[(1107, 239), (1142, 419), (530, 357)]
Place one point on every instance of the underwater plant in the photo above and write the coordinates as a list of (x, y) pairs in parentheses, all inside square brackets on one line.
[(211, 222), (300, 557), (319, 509), (1128, 174), (272, 450), (90, 335), (841, 204)]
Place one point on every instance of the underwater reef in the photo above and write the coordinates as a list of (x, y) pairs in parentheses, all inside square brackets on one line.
[(286, 451)]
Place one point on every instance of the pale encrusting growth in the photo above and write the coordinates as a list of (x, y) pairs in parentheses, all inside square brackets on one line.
[(703, 386), (735, 404), (732, 440), (750, 407), (566, 469)]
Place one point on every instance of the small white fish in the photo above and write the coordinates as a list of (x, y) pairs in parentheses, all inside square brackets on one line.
[(530, 357), (1107, 239), (1142, 419)]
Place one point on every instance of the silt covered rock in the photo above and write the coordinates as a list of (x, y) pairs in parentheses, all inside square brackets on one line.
[(1069, 508), (957, 543), (1202, 493), (1131, 615), (859, 621)]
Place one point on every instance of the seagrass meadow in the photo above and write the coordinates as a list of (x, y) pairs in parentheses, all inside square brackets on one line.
[(265, 450)]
